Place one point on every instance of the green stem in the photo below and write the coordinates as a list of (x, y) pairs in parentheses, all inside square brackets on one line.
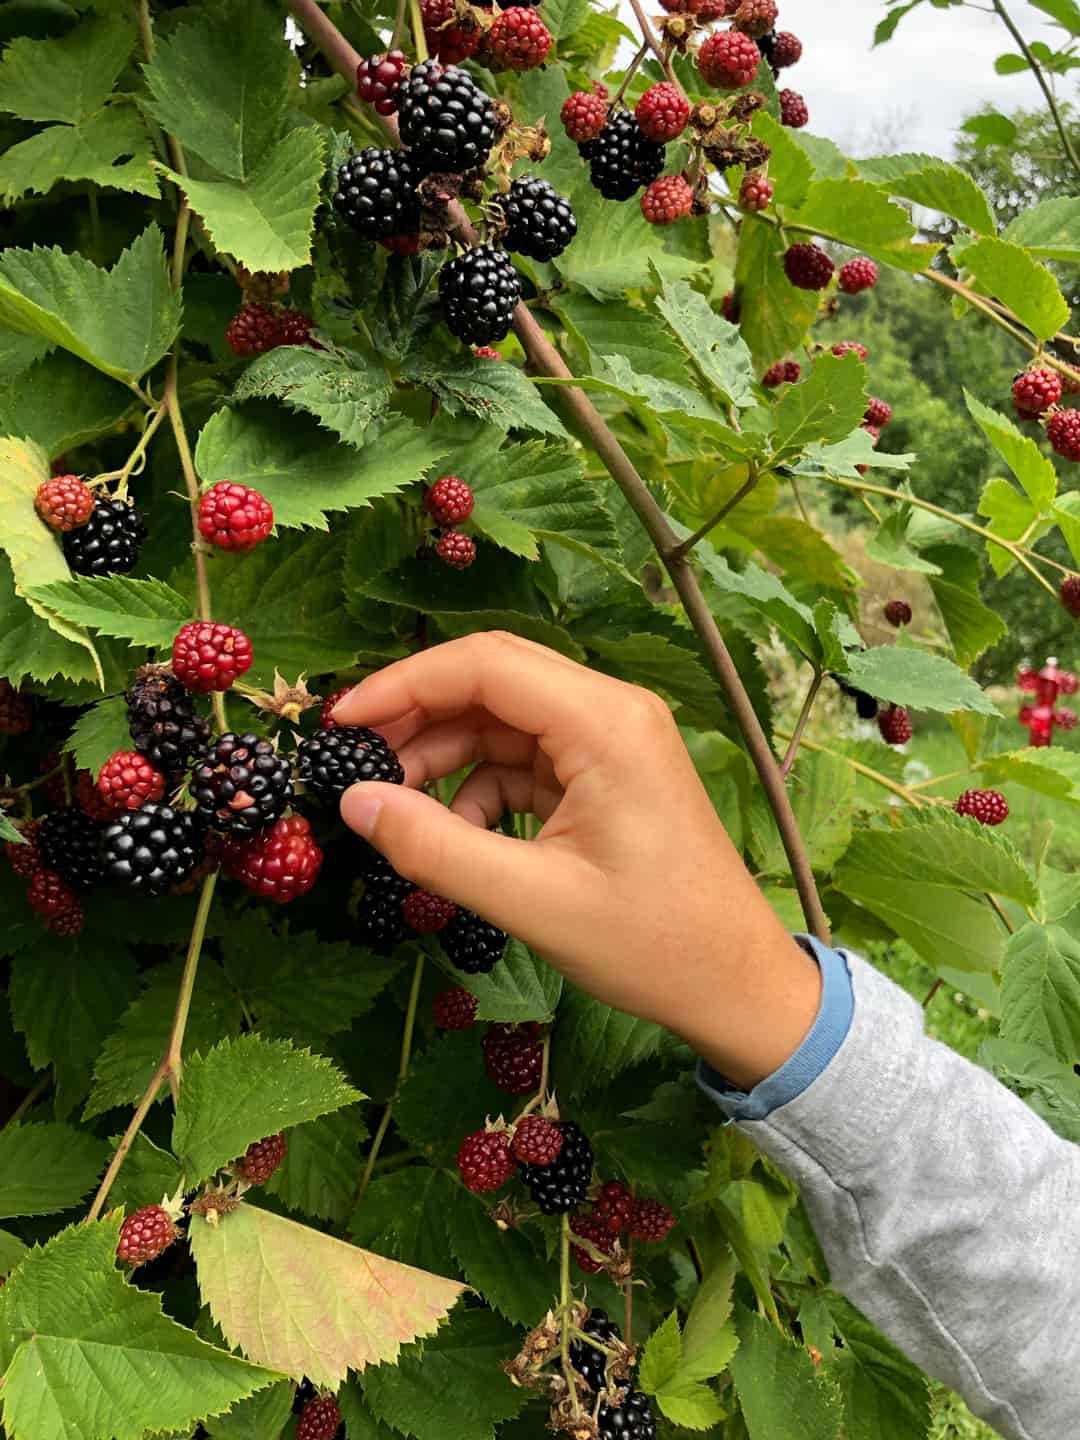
[(1043, 83), (685, 546), (419, 38), (137, 459), (29, 1100), (801, 723), (565, 1300), (402, 1076)]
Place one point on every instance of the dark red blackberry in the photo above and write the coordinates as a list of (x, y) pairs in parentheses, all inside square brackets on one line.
[(376, 193), (632, 1420), (426, 913), (242, 786), (651, 1220), (332, 760), (589, 1362), (380, 925), (471, 944), (163, 722), (446, 121), (622, 158), (69, 843), (537, 1141), (479, 291), (16, 710), (454, 1009), (540, 223), (562, 1186), (614, 1206), (514, 1057), (23, 856), (151, 848), (319, 1420), (108, 544), (378, 78), (262, 1158), (145, 1235), (599, 1237)]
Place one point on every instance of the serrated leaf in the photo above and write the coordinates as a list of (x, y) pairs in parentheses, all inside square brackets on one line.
[(972, 626), (1050, 229), (46, 1167), (12, 1252), (121, 321), (343, 390), (98, 1356), (359, 1422), (453, 1388), (98, 733), (1008, 273), (661, 1356), (902, 676), (690, 1404), (657, 662), (597, 1042), (1011, 515), (495, 391), (778, 1389), (609, 327), (445, 1096), (261, 1415), (29, 646), (711, 342), (147, 1174), (885, 1396), (823, 408), (521, 987), (319, 1174), (790, 167), (823, 797), (306, 1304), (534, 492), (60, 403), (1050, 1087), (267, 221), (775, 315), (860, 215), (1024, 458), (246, 1088), (404, 1215), (1040, 990), (112, 149), (1048, 772), (501, 1265), (933, 182), (615, 248), (147, 613), (302, 472), (66, 78)]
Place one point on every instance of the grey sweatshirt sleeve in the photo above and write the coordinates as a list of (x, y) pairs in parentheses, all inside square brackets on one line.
[(948, 1211)]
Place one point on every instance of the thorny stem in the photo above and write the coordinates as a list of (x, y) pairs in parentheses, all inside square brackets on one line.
[(564, 1312), (1044, 84), (170, 1066), (934, 988), (29, 1100), (545, 360), (685, 546), (402, 1076), (801, 723)]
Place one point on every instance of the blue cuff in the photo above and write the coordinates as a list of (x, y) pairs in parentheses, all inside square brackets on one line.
[(800, 1071)]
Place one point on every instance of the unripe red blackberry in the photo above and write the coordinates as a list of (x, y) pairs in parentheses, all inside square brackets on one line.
[(756, 17), (1070, 595), (783, 372), (426, 913), (667, 200), (23, 856), (650, 1220), (1065, 719), (209, 657), (894, 722), (49, 895), (583, 116), (614, 1206), (234, 517), (988, 807), (16, 710), (449, 501), (537, 1141), (261, 1159), (455, 1009), (280, 864), (588, 1227), (730, 308), (872, 431), (64, 502), (519, 40), (728, 60), (295, 327), (485, 352), (898, 613), (1035, 392), (850, 347), (514, 1057), (755, 192), (326, 714), (1063, 432), (878, 413), (787, 50), (377, 80), (68, 923), (320, 1419), (145, 1235), (447, 41), (793, 110), (484, 1160), (662, 112), (456, 550), (128, 780), (252, 330), (807, 266), (856, 275)]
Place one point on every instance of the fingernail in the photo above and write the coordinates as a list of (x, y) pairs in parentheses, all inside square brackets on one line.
[(337, 707), (360, 811)]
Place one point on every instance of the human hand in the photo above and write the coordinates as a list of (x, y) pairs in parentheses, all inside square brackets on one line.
[(632, 887)]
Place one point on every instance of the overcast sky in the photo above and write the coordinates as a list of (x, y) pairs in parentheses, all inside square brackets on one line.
[(912, 93)]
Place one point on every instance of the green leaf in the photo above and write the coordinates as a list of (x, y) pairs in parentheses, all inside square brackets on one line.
[(779, 1391), (219, 84), (824, 407), (495, 391), (68, 78), (1040, 990), (775, 315), (501, 1265), (890, 545), (261, 1415), (446, 1095), (1048, 772), (972, 626), (95, 1355), (691, 1405), (404, 1215), (711, 342), (661, 1356), (823, 797), (1050, 229), (521, 987), (46, 1167), (1066, 511), (599, 1042), (12, 1252), (60, 403), (246, 1088), (860, 215), (885, 1396), (992, 129), (266, 221), (344, 390), (120, 321), (148, 1173), (1011, 515), (1050, 1087), (98, 733), (1065, 12), (452, 1389), (790, 167), (111, 148), (1024, 458), (609, 327), (142, 612), (301, 471), (1008, 273), (615, 248), (318, 1175), (903, 676), (930, 181), (533, 492), (304, 1303), (676, 673), (360, 1424)]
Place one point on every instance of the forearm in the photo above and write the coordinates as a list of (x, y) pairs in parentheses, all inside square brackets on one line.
[(946, 1209)]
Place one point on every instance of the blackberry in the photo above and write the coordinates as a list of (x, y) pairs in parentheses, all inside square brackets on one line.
[(589, 1362), (376, 193), (479, 292), (562, 1186), (766, 45), (446, 120), (471, 944), (332, 760), (622, 158), (632, 1420), (108, 544), (152, 848), (380, 924), (163, 723), (69, 843), (242, 786), (540, 223)]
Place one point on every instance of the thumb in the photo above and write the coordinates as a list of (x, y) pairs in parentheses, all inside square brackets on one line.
[(490, 873)]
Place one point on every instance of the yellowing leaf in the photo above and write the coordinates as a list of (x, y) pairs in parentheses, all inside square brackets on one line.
[(304, 1303)]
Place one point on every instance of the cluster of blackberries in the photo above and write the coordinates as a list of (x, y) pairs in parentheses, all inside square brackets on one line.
[(632, 1419), (488, 1158), (100, 535)]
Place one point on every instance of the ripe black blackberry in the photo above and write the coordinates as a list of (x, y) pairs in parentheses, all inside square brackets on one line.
[(69, 843), (471, 944), (446, 120), (108, 544), (151, 848), (540, 223), (590, 1363), (332, 760), (622, 158), (242, 786), (632, 1420), (163, 722), (479, 292), (562, 1186), (380, 923), (767, 46), (376, 193)]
